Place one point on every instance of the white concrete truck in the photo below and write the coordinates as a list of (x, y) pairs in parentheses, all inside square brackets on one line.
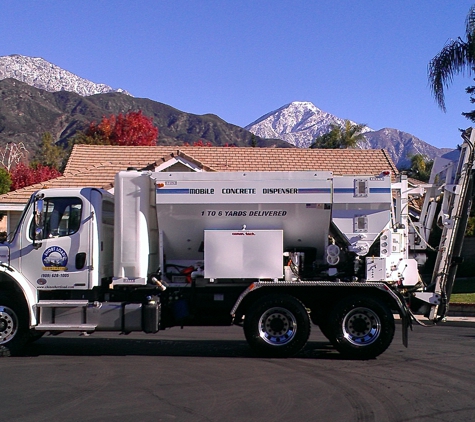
[(273, 252)]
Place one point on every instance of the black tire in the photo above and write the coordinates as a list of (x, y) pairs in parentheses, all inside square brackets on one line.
[(14, 331), (277, 326), (361, 328)]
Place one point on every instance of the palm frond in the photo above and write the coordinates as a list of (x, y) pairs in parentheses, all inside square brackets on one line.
[(456, 57), (470, 23)]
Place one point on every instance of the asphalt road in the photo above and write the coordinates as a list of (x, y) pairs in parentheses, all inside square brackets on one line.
[(209, 374)]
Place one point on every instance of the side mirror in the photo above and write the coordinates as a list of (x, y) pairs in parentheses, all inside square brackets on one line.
[(40, 204), (38, 233)]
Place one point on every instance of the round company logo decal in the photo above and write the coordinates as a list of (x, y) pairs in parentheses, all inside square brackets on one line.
[(55, 259), (41, 281)]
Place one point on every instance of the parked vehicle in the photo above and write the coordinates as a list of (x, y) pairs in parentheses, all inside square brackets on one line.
[(273, 252)]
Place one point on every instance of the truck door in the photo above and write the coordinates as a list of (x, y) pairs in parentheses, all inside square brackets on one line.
[(61, 259)]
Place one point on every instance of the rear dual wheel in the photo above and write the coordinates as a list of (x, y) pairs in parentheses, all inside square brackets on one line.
[(361, 327), (277, 326)]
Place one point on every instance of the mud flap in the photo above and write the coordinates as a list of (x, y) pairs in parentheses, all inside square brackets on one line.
[(406, 323)]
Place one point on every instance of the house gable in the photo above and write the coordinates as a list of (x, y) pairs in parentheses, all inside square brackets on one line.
[(177, 162)]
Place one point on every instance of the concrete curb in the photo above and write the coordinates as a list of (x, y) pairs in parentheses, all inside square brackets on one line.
[(462, 316), (462, 309), (459, 321)]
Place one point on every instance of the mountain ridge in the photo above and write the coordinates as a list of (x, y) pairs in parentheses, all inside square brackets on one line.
[(37, 72), (27, 112), (300, 122)]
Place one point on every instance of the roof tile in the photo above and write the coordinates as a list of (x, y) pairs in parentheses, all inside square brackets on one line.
[(96, 165)]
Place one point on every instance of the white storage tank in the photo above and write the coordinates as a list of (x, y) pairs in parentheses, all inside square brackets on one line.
[(132, 192)]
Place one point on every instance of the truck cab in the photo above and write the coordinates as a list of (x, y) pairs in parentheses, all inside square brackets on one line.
[(63, 242)]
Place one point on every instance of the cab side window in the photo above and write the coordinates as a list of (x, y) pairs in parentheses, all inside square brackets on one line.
[(62, 217)]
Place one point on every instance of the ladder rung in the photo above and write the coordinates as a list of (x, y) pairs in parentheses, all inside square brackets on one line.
[(62, 303), (65, 327)]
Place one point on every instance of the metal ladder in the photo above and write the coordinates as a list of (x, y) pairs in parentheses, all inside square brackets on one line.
[(455, 210), (63, 315)]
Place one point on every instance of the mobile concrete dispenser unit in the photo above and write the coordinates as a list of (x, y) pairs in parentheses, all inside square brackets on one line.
[(271, 251)]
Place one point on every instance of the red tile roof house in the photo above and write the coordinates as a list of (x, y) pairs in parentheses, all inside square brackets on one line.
[(96, 165)]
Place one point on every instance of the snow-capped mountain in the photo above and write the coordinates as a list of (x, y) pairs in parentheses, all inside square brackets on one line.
[(42, 74), (297, 123)]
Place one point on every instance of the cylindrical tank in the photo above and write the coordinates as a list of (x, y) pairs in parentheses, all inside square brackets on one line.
[(131, 233)]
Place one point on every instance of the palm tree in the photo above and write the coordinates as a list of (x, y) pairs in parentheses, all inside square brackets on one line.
[(420, 167), (456, 57), (351, 134), (347, 136)]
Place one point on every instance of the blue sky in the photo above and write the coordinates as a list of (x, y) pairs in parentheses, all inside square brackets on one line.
[(364, 60)]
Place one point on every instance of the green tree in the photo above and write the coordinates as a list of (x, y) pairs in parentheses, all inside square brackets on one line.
[(88, 139), (5, 181), (50, 154), (347, 136), (457, 56), (420, 167)]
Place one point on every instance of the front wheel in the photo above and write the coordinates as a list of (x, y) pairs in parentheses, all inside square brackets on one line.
[(277, 326), (361, 328), (13, 324)]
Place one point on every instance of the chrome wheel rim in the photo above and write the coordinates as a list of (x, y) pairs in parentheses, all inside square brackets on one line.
[(8, 324), (277, 326), (361, 326)]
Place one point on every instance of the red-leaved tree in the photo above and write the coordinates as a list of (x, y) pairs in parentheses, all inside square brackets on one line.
[(23, 175), (132, 129)]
